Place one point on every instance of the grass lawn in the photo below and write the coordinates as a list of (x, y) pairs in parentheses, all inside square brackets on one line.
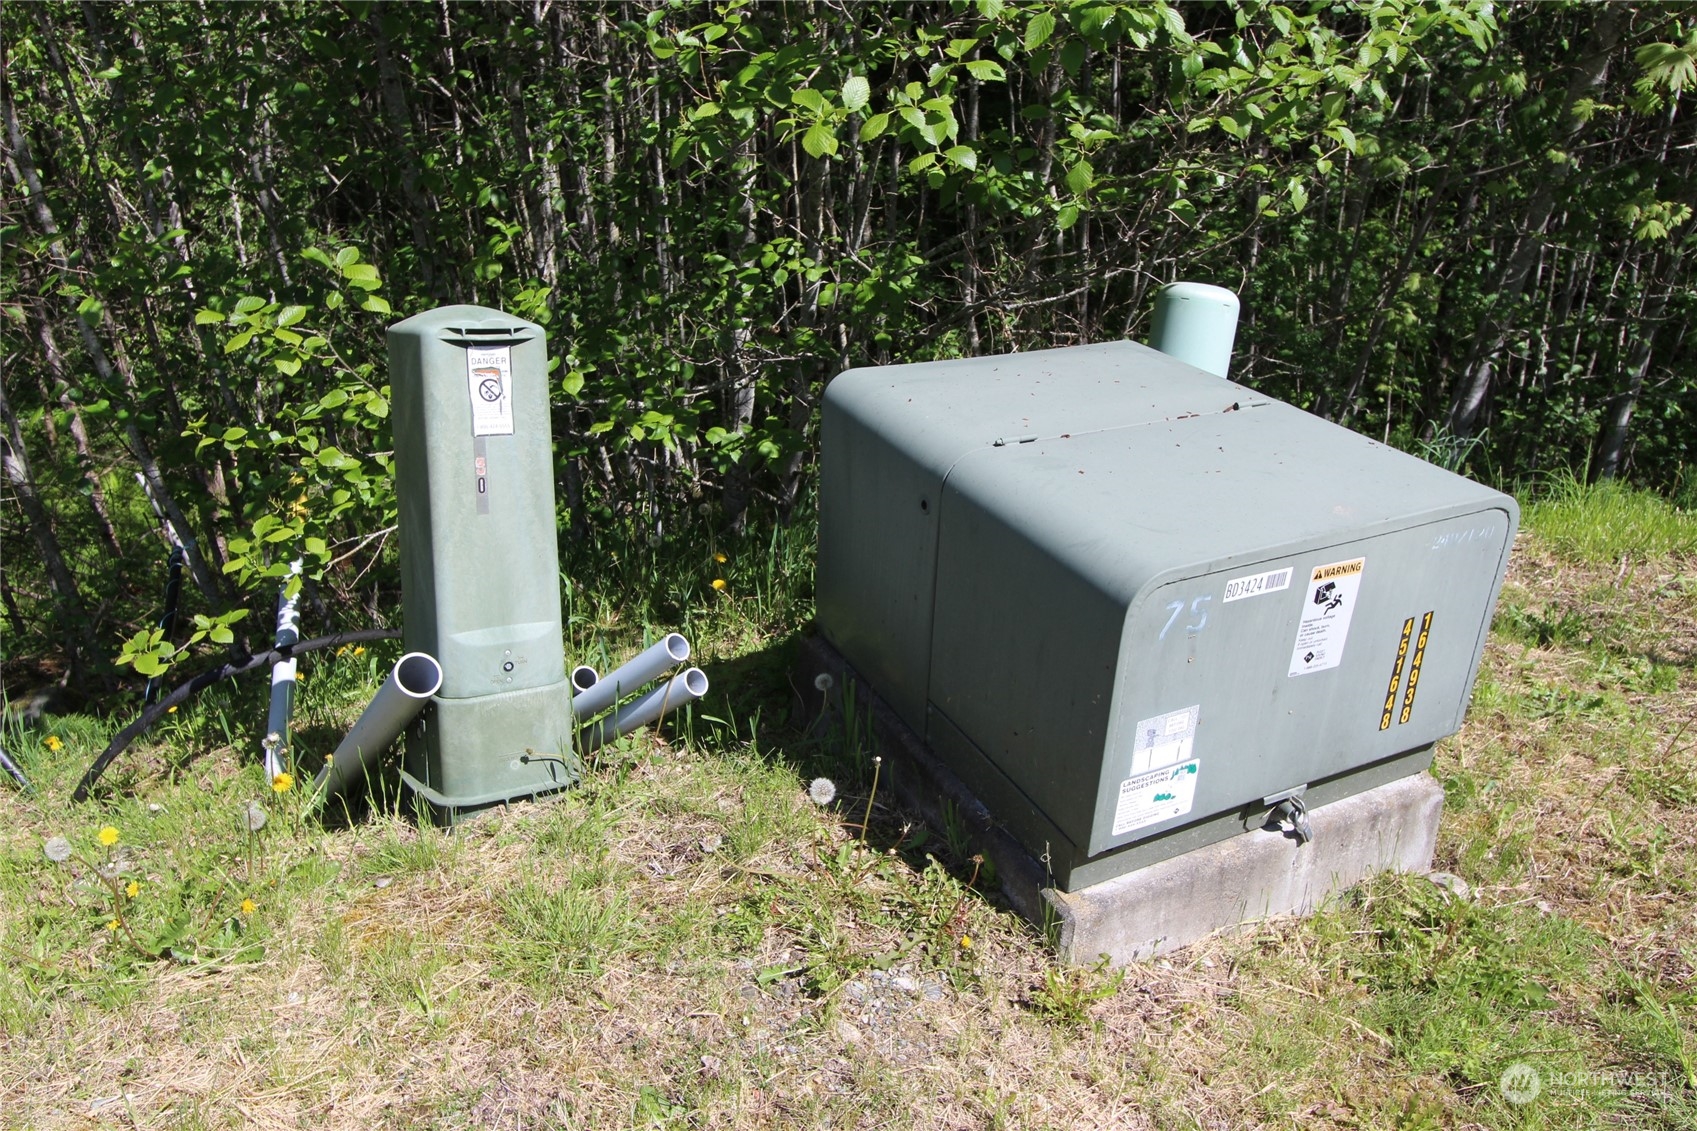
[(691, 940)]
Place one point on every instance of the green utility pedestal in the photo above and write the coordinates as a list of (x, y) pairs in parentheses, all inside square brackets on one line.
[(1137, 608), (480, 571)]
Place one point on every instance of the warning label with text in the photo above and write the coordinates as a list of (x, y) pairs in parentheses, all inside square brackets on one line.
[(490, 372), (1328, 603)]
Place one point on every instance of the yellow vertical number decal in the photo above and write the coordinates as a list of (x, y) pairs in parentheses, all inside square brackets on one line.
[(1396, 674), (1414, 668)]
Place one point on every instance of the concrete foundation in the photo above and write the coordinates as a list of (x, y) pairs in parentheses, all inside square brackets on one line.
[(1166, 905)]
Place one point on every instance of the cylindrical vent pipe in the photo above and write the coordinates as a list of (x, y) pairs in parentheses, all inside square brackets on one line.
[(685, 687), (1196, 323), (415, 678), (583, 678), (645, 667)]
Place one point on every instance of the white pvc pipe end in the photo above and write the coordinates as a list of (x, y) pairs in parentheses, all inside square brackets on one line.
[(418, 675)]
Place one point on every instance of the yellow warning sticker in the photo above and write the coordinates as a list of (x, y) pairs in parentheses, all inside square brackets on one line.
[(1414, 667), (1328, 604), (1389, 712)]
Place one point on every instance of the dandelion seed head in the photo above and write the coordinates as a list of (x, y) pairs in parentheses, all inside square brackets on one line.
[(822, 791), (823, 681), (253, 815), (57, 849)]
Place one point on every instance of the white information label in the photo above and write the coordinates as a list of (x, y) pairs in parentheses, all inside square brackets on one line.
[(1253, 586), (489, 370), (1159, 795), (1164, 739), (1328, 603)]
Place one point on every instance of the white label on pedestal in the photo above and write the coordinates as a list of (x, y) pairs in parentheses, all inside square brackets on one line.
[(1273, 581), (489, 370), (1164, 739), (1328, 601), (1159, 795)]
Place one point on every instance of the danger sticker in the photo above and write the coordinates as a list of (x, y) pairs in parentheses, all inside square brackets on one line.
[(489, 370), (1256, 584), (1164, 739), (1328, 604), (1159, 795)]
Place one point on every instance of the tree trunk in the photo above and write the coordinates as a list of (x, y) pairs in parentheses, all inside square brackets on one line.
[(72, 614), (1467, 404), (22, 168)]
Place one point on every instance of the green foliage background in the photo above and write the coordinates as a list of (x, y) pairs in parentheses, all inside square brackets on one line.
[(1460, 227)]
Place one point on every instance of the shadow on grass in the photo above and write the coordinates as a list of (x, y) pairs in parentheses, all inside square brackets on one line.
[(759, 699)]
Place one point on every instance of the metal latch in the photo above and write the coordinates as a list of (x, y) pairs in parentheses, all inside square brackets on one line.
[(1290, 813)]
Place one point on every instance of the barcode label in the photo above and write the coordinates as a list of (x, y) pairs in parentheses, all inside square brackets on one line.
[(1256, 584)]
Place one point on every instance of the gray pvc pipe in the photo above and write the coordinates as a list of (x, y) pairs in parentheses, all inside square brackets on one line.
[(584, 677), (685, 687), (1196, 323), (415, 678), (645, 667)]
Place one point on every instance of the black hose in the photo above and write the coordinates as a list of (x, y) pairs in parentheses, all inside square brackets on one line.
[(206, 679), (16, 774), (168, 619)]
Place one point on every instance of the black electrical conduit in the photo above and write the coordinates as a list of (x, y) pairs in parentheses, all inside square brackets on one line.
[(14, 773), (206, 679)]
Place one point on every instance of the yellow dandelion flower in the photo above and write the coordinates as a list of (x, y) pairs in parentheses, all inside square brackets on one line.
[(360, 651), (108, 836), (719, 584), (282, 783), (53, 743), (966, 942), (249, 906), (171, 710), (132, 889), (720, 558), (112, 924), (342, 651)]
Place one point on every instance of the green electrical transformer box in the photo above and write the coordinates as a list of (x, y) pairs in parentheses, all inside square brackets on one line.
[(1132, 605), (480, 569)]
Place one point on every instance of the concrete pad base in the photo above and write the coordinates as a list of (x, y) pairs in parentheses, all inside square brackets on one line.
[(1167, 905), (1254, 875)]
